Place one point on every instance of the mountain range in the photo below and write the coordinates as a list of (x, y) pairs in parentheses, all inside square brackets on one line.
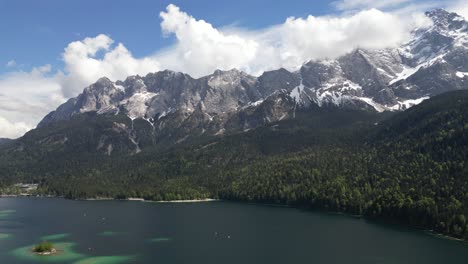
[(176, 106), (377, 133)]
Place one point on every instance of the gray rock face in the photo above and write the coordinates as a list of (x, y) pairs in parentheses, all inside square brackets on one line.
[(432, 62), (176, 106), (272, 81), (5, 141)]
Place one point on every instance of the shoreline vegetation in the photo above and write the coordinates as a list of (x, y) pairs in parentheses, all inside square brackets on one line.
[(44, 249)]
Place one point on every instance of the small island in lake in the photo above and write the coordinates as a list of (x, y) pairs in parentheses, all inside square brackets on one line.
[(44, 248)]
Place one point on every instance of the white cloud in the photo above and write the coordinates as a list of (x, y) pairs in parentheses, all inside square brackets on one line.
[(200, 49), (82, 66), (25, 97), (12, 130), (460, 7), (329, 37), (11, 63)]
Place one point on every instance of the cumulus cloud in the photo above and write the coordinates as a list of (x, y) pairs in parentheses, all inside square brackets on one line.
[(25, 97), (83, 66), (301, 39), (200, 49)]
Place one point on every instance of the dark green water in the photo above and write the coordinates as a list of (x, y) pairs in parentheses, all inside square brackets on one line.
[(214, 232)]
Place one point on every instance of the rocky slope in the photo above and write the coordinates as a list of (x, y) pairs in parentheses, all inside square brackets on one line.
[(176, 106)]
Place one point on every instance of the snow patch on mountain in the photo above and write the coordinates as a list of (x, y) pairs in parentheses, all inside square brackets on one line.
[(407, 104), (378, 107), (297, 91), (349, 85), (462, 74), (407, 72)]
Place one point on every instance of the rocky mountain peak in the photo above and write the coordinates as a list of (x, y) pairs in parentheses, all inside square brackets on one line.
[(392, 79), (231, 72), (438, 14), (133, 84), (103, 84), (169, 74), (104, 81), (444, 20), (448, 28), (230, 78), (103, 87)]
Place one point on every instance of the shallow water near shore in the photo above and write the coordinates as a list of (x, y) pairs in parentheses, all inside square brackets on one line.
[(211, 232)]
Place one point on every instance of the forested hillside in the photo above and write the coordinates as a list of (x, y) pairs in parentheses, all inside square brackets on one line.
[(412, 169), (408, 167)]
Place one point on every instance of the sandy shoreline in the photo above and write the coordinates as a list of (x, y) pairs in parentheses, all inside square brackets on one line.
[(150, 201), (113, 199), (439, 235), (186, 201)]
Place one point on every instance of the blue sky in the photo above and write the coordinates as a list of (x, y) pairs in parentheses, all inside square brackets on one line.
[(51, 49), (36, 32)]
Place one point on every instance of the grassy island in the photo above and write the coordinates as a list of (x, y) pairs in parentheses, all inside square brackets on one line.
[(44, 248)]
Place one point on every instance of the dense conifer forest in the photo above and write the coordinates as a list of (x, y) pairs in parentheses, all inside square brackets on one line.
[(408, 167)]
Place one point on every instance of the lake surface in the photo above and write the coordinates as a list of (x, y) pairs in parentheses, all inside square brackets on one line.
[(212, 232)]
